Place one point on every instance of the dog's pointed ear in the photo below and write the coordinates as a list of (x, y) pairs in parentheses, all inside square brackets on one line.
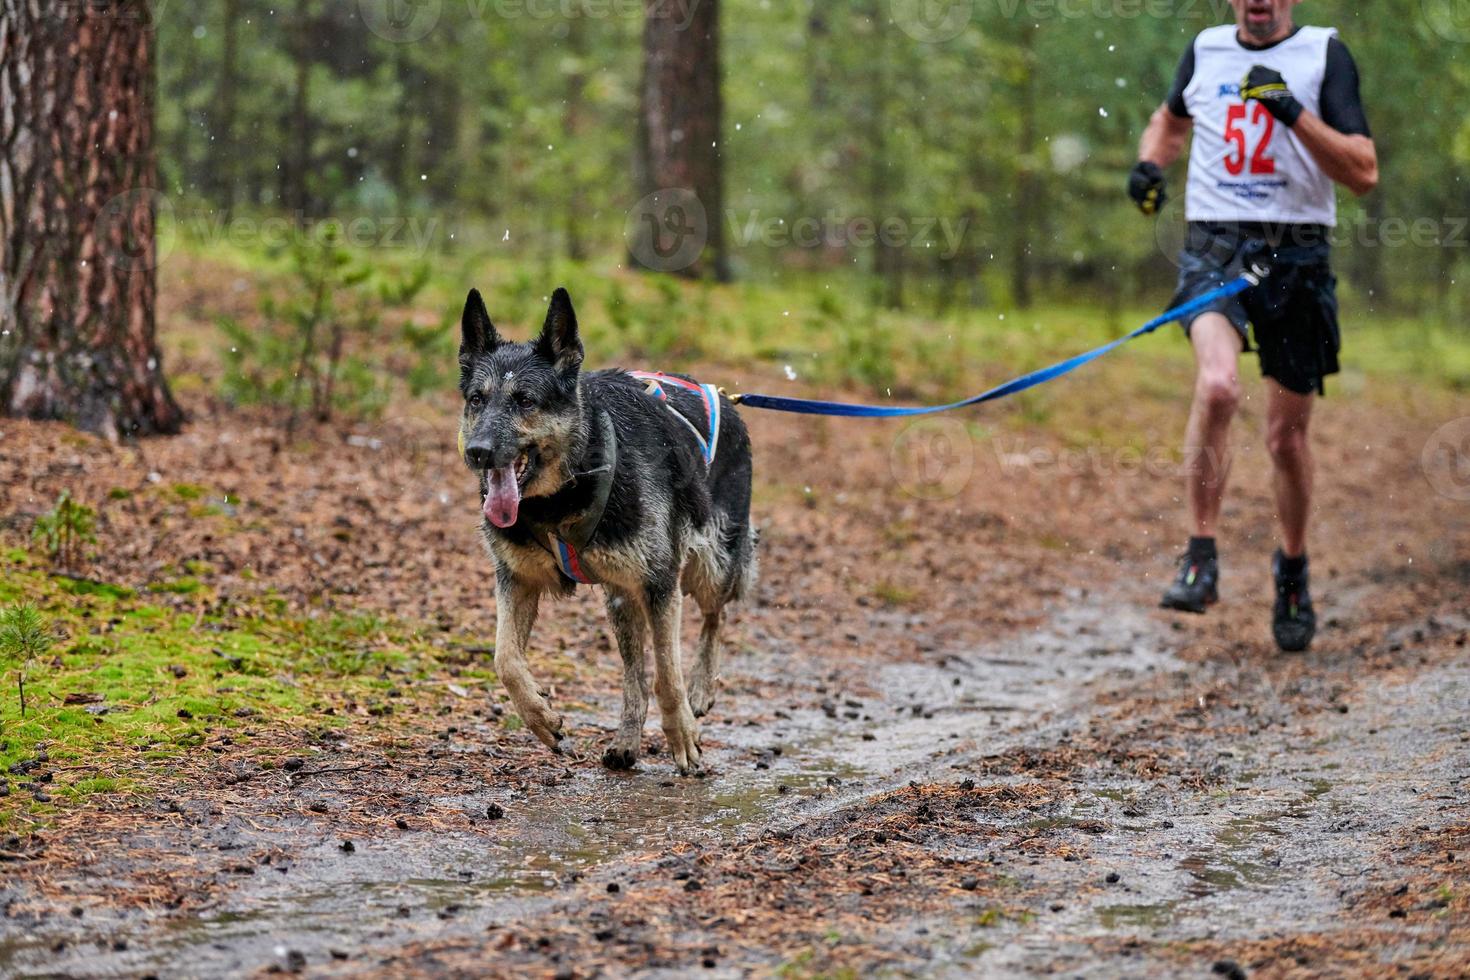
[(560, 343), (477, 333)]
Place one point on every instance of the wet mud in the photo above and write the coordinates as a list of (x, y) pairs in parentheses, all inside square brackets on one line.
[(1273, 805)]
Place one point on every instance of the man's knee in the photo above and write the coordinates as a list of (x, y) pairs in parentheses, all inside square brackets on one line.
[(1287, 443), (1218, 391)]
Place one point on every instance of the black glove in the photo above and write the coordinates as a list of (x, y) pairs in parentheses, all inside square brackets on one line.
[(1146, 186), (1268, 87)]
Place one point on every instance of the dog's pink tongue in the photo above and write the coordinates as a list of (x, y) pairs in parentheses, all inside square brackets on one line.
[(502, 496)]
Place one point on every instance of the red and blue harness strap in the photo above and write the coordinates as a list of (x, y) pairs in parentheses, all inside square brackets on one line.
[(708, 443), (569, 561)]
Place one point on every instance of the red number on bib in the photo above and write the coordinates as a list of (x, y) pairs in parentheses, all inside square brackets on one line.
[(1261, 163), (1234, 134)]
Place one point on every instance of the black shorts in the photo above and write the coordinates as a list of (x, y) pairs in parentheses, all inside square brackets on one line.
[(1293, 312)]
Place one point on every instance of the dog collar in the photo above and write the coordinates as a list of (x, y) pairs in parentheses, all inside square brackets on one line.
[(565, 546)]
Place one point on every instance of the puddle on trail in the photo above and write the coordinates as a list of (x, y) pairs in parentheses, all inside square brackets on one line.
[(319, 901)]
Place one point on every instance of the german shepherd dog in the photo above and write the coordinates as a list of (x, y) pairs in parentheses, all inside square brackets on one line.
[(603, 477)]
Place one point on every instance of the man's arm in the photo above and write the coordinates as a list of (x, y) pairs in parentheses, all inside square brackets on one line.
[(1339, 139), (1163, 139), (1351, 160)]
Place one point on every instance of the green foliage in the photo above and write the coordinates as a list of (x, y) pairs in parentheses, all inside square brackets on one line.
[(432, 353), (24, 638), (64, 530), (320, 349), (513, 133)]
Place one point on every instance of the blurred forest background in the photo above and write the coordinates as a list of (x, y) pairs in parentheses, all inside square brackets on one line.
[(1002, 145), (881, 180)]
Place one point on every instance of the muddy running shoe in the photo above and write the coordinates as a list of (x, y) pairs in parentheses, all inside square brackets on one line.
[(1293, 622), (1199, 577)]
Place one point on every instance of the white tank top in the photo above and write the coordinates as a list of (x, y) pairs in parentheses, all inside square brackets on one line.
[(1244, 165)]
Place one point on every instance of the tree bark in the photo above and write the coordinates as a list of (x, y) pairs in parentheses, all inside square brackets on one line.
[(681, 115), (295, 193), (574, 125), (887, 257), (78, 207), (1027, 185), (223, 152)]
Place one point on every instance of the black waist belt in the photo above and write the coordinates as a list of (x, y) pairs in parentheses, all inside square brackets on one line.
[(1276, 234)]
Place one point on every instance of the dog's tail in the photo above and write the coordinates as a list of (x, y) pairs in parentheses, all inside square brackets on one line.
[(746, 565)]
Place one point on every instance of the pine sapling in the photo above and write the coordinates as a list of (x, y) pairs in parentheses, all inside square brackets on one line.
[(24, 637)]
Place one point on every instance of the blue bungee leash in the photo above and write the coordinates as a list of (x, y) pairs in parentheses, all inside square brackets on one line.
[(807, 406)]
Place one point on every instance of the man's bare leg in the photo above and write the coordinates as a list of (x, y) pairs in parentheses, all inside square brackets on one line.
[(1217, 348), (1287, 418), (1207, 457)]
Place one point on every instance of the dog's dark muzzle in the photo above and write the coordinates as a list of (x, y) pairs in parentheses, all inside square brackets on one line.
[(485, 454)]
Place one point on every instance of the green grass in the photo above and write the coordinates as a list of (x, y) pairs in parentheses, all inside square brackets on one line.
[(169, 677), (825, 331)]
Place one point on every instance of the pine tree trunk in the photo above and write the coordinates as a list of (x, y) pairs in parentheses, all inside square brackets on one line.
[(887, 258), (222, 169), (77, 218), (1024, 228), (680, 115), (295, 193), (574, 125)]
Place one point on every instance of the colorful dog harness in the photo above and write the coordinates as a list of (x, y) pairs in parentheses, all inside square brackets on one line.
[(654, 382), (564, 548)]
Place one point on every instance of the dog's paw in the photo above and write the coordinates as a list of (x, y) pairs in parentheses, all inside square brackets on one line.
[(702, 694), (545, 724), (620, 757), (683, 738)]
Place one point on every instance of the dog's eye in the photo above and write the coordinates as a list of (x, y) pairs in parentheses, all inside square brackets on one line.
[(525, 401), (477, 401)]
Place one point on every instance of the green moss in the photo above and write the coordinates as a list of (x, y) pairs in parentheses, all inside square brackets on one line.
[(187, 585), (83, 586), (147, 681)]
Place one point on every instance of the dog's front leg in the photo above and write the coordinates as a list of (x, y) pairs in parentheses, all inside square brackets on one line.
[(680, 728), (515, 613), (626, 615)]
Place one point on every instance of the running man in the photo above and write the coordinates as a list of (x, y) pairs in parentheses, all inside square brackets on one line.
[(1277, 119)]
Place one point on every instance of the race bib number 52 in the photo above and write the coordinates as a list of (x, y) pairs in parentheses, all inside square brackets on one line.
[(1251, 139)]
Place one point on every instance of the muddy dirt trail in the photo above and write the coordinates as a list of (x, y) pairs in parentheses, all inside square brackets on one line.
[(1164, 814), (1013, 768)]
